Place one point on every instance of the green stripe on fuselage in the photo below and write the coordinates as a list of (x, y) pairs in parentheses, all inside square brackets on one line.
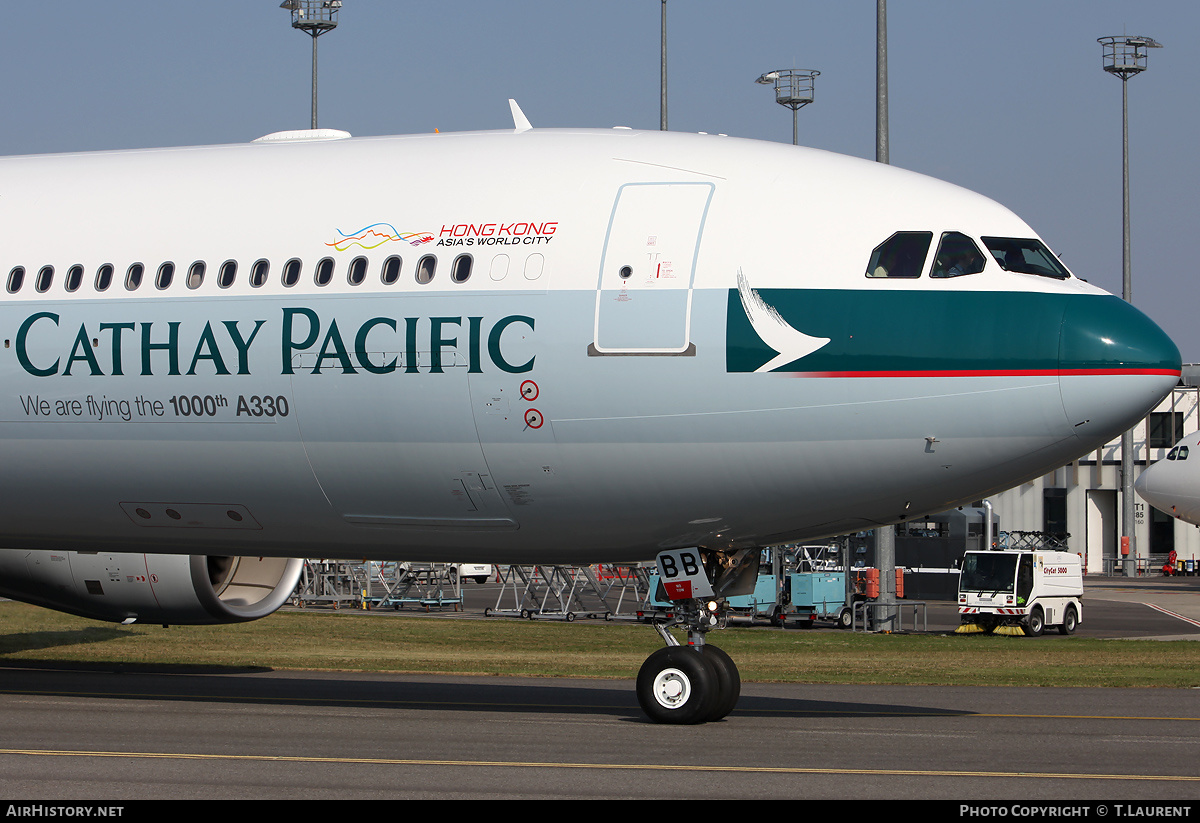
[(952, 332)]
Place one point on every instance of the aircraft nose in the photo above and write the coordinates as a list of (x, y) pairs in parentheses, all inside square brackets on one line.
[(1146, 485), (1168, 487), (1115, 365)]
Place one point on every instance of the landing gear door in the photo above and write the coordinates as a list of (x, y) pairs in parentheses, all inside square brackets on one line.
[(682, 574), (647, 271)]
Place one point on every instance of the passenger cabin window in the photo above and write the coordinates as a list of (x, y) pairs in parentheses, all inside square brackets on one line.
[(15, 278), (357, 273), (133, 276), (1025, 257), (426, 268), (291, 272), (166, 273), (957, 255), (460, 272), (227, 274), (45, 277), (901, 255), (534, 264), (259, 272), (324, 273), (74, 278), (195, 275), (391, 271), (104, 277)]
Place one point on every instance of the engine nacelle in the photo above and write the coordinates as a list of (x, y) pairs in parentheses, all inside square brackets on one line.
[(150, 588)]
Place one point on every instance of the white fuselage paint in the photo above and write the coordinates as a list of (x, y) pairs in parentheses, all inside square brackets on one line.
[(1172, 484)]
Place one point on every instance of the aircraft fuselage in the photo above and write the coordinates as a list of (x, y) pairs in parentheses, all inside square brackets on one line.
[(537, 346)]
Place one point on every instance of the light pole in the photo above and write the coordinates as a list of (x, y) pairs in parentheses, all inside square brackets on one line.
[(1125, 57), (794, 89), (662, 83), (314, 18), (881, 84)]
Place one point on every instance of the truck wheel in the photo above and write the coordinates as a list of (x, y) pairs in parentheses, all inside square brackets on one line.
[(845, 619), (1036, 623), (1070, 621)]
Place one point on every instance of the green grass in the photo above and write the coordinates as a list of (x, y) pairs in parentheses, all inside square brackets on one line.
[(391, 643)]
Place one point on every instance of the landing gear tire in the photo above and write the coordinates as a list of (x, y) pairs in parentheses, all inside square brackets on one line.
[(729, 682), (678, 685)]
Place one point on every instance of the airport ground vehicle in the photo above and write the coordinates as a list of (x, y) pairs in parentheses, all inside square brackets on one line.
[(1002, 590), (805, 597), (479, 572), (818, 595)]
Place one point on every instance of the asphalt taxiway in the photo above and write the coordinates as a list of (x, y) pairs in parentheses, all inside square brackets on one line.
[(96, 735), (258, 735)]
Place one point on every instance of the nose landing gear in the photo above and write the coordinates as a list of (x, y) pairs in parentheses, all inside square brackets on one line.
[(699, 682), (684, 685)]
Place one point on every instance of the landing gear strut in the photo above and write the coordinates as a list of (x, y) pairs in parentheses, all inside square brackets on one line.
[(699, 682)]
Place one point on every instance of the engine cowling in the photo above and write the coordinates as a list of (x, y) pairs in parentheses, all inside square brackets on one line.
[(150, 588)]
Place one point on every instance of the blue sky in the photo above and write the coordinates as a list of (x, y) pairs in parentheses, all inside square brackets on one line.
[(1007, 97)]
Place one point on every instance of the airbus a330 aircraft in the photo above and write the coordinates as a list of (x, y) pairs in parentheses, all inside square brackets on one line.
[(518, 346), (1173, 484)]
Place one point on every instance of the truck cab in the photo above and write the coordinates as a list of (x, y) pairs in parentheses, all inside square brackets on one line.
[(1026, 589)]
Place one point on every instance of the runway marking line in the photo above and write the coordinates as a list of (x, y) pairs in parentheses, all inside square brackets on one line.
[(378, 761), (1173, 614)]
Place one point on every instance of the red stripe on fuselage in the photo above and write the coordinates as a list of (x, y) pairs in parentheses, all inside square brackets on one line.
[(982, 373)]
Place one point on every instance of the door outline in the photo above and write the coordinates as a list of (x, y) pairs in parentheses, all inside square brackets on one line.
[(687, 348)]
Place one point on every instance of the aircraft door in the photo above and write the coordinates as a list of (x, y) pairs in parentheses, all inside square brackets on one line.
[(647, 270)]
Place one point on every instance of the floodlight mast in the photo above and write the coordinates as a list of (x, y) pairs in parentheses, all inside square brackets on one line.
[(314, 18), (794, 89), (662, 73), (882, 150), (1125, 57)]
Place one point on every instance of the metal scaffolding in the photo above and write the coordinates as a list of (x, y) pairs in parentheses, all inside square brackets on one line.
[(568, 592)]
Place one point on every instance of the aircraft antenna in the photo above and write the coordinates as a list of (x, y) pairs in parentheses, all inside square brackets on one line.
[(314, 18)]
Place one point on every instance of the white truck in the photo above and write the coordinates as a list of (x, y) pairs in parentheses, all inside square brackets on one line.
[(1015, 588)]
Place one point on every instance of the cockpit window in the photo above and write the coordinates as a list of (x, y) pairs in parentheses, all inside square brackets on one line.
[(957, 255), (1178, 453), (901, 255), (1025, 257)]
